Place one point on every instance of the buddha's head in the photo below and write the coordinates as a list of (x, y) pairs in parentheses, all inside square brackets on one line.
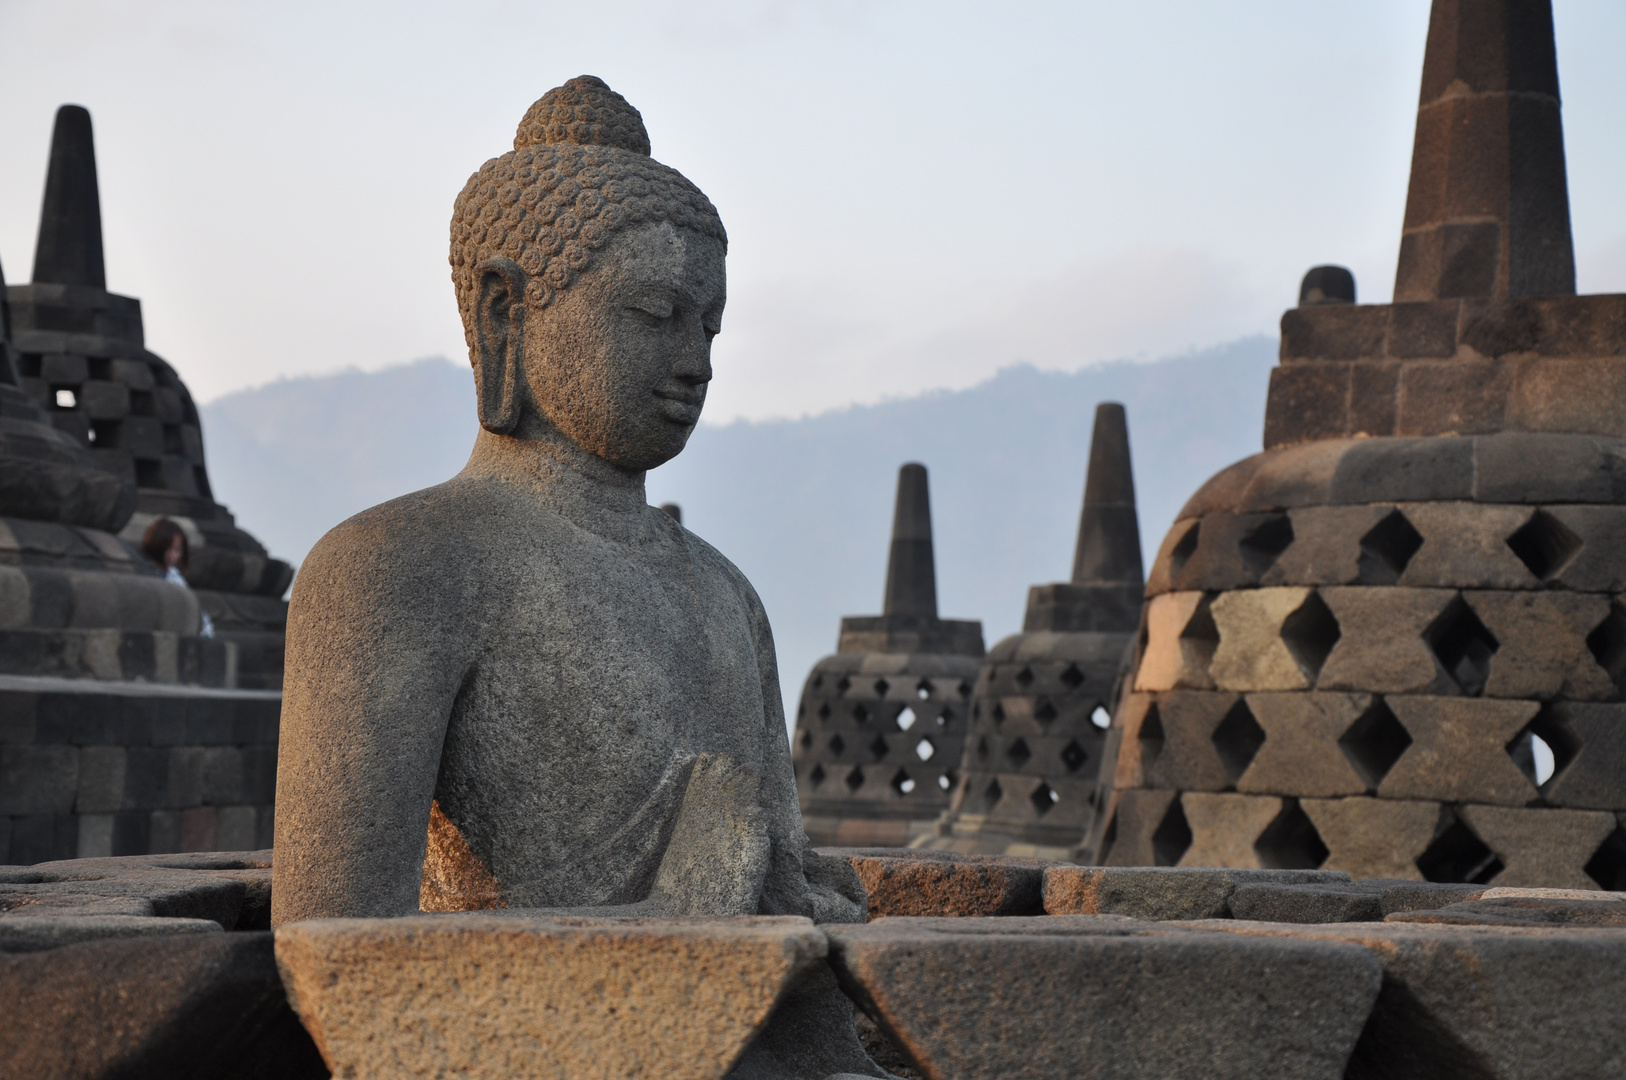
[(590, 281)]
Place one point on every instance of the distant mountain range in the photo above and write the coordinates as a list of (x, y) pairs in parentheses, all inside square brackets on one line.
[(804, 506)]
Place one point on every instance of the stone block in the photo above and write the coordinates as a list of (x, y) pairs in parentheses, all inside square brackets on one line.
[(1233, 550), (19, 718), (239, 829), (1307, 402), (434, 994), (1541, 848), (1423, 330), (1326, 546), (1543, 649), (183, 785), (1466, 1002), (44, 932), (1180, 643), (38, 779), (1174, 740), (1458, 751), (1380, 645), (101, 780), (179, 1005), (128, 887), (1374, 838), (1159, 893), (1427, 895), (103, 399), (222, 776), (1402, 470), (95, 836), (1076, 996), (1334, 332), (913, 881), (1595, 774), (1599, 564), (1255, 652), (1372, 393), (1225, 828), (1300, 754), (1549, 394), (1453, 397), (1523, 911), (37, 838), (1465, 546), (1306, 903), (1134, 834), (1524, 467)]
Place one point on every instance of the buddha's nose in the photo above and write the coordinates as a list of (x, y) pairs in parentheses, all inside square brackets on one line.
[(694, 361)]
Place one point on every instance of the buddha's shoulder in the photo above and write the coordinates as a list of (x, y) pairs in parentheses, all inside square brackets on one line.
[(720, 567)]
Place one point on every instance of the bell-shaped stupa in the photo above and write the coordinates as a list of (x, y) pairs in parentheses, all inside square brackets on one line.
[(1394, 643), (80, 354), (881, 724), (1040, 707)]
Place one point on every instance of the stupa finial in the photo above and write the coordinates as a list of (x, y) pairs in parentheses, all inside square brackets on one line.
[(1487, 213), (69, 251), (911, 577), (1108, 551)]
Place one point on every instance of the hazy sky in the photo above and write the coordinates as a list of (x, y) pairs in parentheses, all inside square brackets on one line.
[(916, 194)]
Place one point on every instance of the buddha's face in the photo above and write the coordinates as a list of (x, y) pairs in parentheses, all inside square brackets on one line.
[(619, 362)]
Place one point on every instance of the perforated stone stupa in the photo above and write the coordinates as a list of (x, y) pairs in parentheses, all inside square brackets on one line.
[(80, 355), (1394, 642), (1040, 705), (881, 725)]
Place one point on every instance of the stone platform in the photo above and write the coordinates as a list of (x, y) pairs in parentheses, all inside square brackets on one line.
[(970, 966)]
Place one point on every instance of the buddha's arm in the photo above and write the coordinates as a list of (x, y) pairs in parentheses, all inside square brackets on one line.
[(374, 662)]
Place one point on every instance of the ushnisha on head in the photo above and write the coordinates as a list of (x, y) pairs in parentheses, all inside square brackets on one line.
[(590, 281)]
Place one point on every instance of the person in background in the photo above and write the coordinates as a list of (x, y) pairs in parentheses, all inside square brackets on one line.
[(165, 543)]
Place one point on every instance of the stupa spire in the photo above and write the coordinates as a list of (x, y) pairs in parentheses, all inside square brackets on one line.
[(911, 577), (69, 251), (1487, 213), (1108, 550)]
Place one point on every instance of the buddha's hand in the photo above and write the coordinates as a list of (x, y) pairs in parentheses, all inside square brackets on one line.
[(718, 857)]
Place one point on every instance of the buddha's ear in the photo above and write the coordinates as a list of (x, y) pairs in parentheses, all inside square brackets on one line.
[(499, 332)]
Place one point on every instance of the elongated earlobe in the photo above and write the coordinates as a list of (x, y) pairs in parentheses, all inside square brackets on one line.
[(500, 344)]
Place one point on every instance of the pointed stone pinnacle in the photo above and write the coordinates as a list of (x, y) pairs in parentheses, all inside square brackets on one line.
[(1108, 551), (69, 251), (911, 578), (1487, 212)]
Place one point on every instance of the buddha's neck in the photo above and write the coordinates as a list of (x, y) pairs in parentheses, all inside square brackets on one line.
[(580, 486)]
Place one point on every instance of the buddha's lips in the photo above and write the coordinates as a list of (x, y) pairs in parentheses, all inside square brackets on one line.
[(685, 408)]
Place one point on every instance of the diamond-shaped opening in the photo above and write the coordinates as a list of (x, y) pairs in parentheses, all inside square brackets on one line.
[(818, 681), (1151, 736), (1183, 550), (1310, 633), (924, 749), (879, 748), (1265, 542), (855, 778), (1074, 756), (1608, 864), (881, 687), (1458, 856), (1200, 637), (1386, 549), (1462, 646), (982, 749), (902, 782), (965, 689), (992, 794), (1100, 717), (1290, 841), (945, 780), (945, 717), (923, 690), (806, 739), (1044, 711), (1545, 747), (1043, 798), (1024, 678), (1374, 742), (824, 711), (1238, 739), (1172, 838), (1545, 545), (837, 745), (861, 713), (844, 685), (998, 713), (1072, 678), (1607, 643), (817, 775), (906, 718), (1018, 752), (1109, 836)]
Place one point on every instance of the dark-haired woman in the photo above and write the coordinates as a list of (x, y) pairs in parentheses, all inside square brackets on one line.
[(165, 543)]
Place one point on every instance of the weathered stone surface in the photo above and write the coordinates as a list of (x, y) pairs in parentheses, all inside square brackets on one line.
[(185, 1005), (1134, 832), (1180, 643), (913, 881), (1483, 1002), (1174, 740), (1073, 996), (1307, 903), (1374, 838), (1524, 911), (1380, 645), (1427, 895), (1225, 828), (1300, 753), (1543, 644), (1459, 750), (1252, 653), (1466, 543), (1326, 547), (1162, 893), (1541, 848), (1595, 776), (432, 995)]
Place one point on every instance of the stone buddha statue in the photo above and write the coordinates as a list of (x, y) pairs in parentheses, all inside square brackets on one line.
[(526, 687)]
